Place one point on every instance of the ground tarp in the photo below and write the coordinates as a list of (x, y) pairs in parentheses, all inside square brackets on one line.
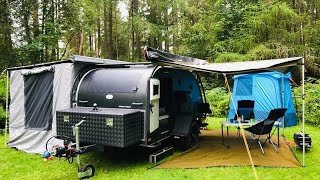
[(210, 152)]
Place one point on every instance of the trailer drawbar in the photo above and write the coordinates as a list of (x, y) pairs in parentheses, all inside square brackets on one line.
[(70, 150)]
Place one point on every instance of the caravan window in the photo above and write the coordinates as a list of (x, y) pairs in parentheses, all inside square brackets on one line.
[(244, 87), (155, 89), (113, 81), (38, 94)]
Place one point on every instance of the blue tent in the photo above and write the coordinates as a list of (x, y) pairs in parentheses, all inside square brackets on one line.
[(268, 90)]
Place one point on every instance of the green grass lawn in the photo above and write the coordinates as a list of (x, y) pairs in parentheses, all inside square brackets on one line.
[(132, 165)]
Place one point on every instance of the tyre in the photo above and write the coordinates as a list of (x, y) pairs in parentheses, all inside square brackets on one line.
[(192, 139), (88, 168)]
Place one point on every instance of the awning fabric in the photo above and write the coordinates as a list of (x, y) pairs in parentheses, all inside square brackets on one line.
[(37, 70), (164, 58)]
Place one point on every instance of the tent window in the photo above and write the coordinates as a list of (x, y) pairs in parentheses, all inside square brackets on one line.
[(244, 87), (38, 93)]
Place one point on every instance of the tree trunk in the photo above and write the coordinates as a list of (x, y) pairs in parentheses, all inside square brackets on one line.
[(6, 54), (43, 51), (36, 32), (166, 30), (116, 36), (52, 20), (81, 42), (110, 33), (105, 30), (175, 25), (155, 19), (132, 29), (137, 51), (98, 47)]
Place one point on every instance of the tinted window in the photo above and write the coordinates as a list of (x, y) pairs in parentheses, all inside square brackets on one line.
[(113, 81), (155, 90)]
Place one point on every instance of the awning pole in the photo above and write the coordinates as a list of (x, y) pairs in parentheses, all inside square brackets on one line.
[(7, 109), (303, 111), (242, 131), (229, 91)]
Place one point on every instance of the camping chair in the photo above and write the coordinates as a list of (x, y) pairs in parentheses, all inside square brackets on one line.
[(203, 109), (245, 109), (264, 127)]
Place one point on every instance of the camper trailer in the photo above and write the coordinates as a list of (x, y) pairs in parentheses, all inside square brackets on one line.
[(123, 104)]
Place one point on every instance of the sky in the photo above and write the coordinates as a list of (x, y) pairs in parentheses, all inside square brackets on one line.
[(123, 8)]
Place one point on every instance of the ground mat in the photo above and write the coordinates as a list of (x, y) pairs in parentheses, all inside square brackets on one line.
[(211, 152)]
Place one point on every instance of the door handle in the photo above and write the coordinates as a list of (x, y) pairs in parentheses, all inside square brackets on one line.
[(137, 103), (151, 106)]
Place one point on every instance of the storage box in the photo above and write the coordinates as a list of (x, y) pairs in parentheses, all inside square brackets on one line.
[(105, 126), (298, 139)]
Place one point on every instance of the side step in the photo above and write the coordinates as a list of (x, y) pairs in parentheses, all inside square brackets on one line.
[(153, 145), (161, 154)]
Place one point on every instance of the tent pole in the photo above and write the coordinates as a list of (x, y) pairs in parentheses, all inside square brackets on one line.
[(303, 112), (242, 131), (229, 91), (7, 108)]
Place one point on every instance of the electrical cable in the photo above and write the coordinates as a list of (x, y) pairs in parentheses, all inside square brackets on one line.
[(69, 151), (57, 137)]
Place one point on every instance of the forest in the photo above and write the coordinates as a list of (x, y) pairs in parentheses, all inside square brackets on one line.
[(38, 31)]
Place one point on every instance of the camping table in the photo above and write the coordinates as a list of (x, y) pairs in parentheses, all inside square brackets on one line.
[(230, 124)]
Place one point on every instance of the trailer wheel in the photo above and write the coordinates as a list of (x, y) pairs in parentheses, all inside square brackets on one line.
[(89, 168), (192, 139)]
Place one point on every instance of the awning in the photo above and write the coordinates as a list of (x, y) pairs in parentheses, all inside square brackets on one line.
[(37, 70), (167, 59), (92, 60)]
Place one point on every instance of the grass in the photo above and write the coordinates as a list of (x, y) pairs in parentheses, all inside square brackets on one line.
[(134, 165)]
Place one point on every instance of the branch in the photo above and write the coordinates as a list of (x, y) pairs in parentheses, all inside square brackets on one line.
[(65, 50)]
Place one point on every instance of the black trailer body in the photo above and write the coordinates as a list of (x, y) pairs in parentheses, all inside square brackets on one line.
[(160, 94)]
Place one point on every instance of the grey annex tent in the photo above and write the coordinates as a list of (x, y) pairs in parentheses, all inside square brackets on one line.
[(37, 92)]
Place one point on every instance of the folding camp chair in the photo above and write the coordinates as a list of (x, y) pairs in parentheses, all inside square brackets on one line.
[(264, 127), (245, 109), (204, 109)]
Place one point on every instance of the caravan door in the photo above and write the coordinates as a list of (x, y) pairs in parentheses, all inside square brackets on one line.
[(154, 104)]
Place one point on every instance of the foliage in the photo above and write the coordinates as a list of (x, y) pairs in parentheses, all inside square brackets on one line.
[(261, 52), (2, 118), (218, 100), (312, 102), (230, 57), (210, 81), (3, 85), (3, 91), (216, 30)]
